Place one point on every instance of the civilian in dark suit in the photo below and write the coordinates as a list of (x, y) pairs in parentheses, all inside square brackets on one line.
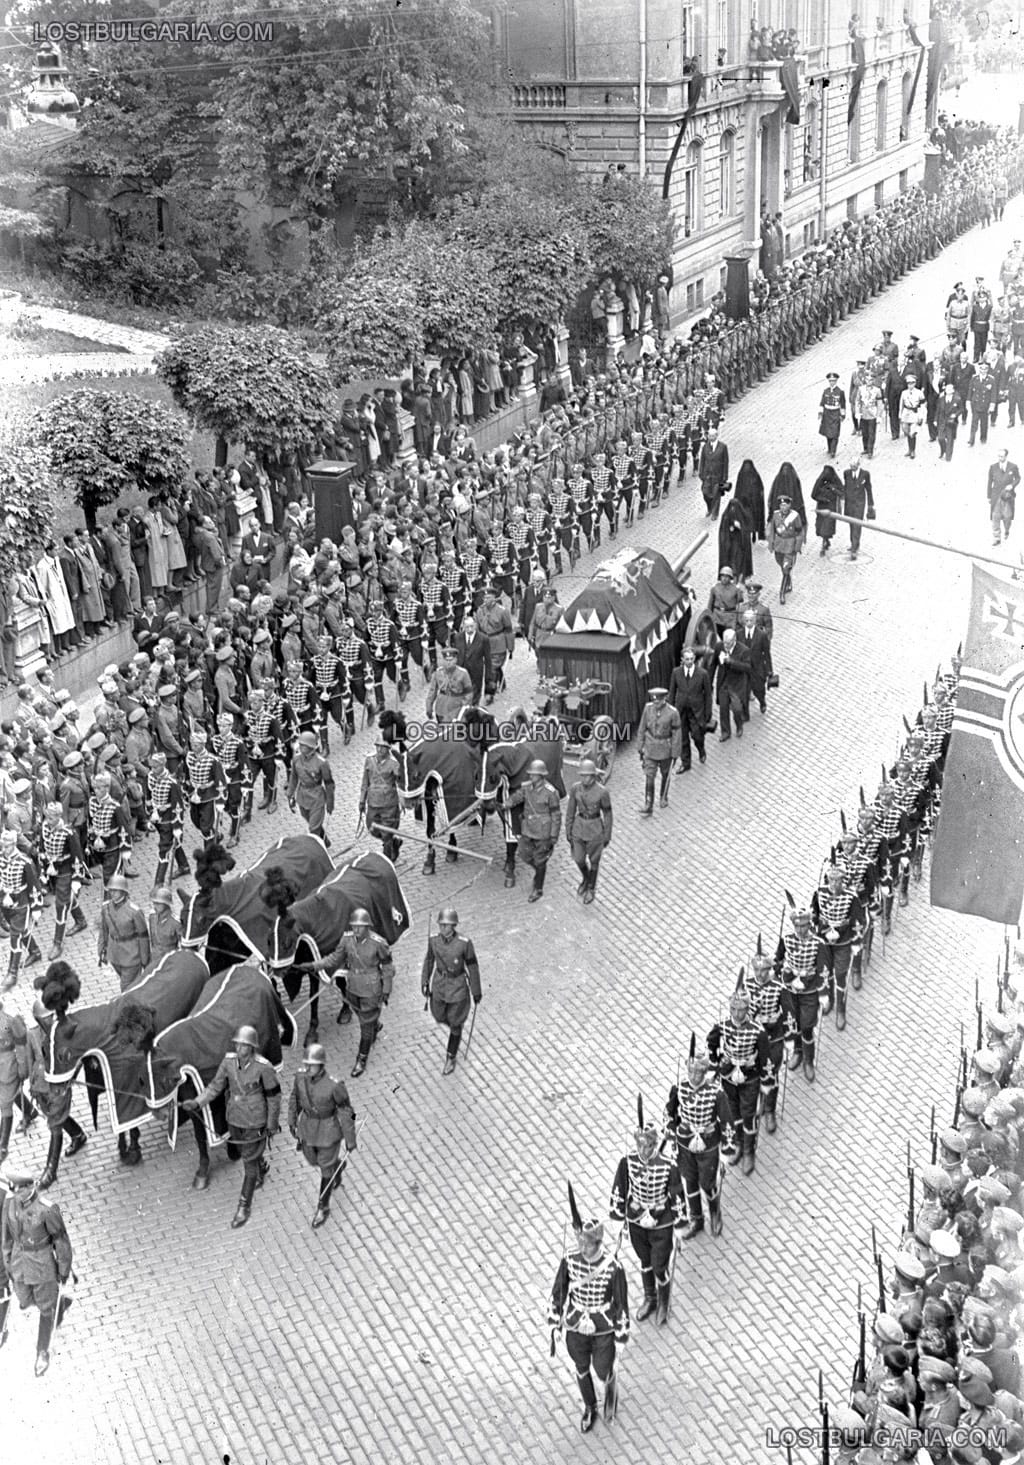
[(139, 542), (732, 684), (948, 411), (72, 572), (713, 471), (147, 626), (858, 500), (751, 636), (689, 692), (472, 649)]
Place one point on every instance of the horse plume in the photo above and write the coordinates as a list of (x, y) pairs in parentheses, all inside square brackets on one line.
[(279, 893), (135, 1025), (59, 987), (211, 866)]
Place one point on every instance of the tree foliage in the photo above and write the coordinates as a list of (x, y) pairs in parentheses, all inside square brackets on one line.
[(104, 444), (629, 229), (251, 384), (28, 497)]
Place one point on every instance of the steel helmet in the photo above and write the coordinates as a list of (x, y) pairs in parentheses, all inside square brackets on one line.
[(448, 917), (117, 882), (359, 918), (587, 765), (316, 1053), (247, 1034), (538, 766)]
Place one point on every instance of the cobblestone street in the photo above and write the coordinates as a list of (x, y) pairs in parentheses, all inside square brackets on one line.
[(411, 1328)]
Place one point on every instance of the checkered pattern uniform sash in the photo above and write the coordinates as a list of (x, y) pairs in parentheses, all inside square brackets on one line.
[(161, 786), (648, 1184), (741, 1042), (765, 999), (55, 843), (834, 909), (698, 1108), (325, 668), (12, 873), (801, 954)]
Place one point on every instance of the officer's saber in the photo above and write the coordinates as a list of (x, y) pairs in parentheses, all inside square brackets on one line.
[(982, 559), (383, 829)]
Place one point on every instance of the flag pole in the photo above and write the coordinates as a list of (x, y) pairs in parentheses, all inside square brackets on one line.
[(982, 559)]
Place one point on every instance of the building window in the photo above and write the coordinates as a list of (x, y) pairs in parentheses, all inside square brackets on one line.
[(879, 195), (693, 189), (904, 178), (853, 138), (727, 175), (812, 142), (881, 115), (906, 90), (690, 28), (722, 38), (851, 206), (787, 160), (814, 24)]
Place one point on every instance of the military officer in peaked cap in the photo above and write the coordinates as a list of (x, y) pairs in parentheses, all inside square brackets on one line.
[(320, 1116), (660, 739)]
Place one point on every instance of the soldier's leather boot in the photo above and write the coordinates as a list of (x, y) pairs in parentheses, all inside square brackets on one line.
[(795, 1059), (359, 1066), (429, 862), (715, 1215), (79, 1138), (735, 1155), (81, 924), (771, 1122), (323, 1205), (664, 1296), (611, 1399), (451, 854), (262, 1174), (133, 1154), (54, 952), (6, 1125), (201, 1179), (841, 1009), (510, 874), (344, 1015), (749, 1153), (244, 1208), (857, 973), (49, 1174), (650, 1301), (809, 1073), (830, 998), (695, 1223)]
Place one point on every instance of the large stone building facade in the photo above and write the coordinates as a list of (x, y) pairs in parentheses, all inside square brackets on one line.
[(608, 82)]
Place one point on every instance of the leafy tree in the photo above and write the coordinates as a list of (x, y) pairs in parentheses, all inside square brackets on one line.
[(539, 248), (104, 444), (376, 326), (28, 497), (629, 229), (252, 384)]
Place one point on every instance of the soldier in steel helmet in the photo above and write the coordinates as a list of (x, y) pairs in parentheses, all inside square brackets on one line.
[(647, 1194), (450, 977), (320, 1116), (253, 1110), (35, 1256), (588, 826), (590, 1299), (365, 974), (541, 823)]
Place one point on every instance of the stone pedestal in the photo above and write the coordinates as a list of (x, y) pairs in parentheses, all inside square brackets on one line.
[(407, 449), (28, 655), (562, 356), (527, 389), (613, 325), (932, 181), (737, 284), (245, 503)]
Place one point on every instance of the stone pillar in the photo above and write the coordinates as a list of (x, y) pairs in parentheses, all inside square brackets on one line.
[(737, 283), (407, 449), (932, 181), (562, 356), (28, 655), (245, 505), (527, 390), (613, 325)]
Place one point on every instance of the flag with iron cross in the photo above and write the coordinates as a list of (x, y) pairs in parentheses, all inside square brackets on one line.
[(978, 858)]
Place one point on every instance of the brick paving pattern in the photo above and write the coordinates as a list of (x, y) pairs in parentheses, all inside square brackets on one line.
[(411, 1326), (134, 358)]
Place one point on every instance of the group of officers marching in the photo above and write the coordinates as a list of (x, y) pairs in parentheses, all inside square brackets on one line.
[(668, 1188)]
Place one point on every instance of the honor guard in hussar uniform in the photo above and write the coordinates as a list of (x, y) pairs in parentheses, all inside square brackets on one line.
[(363, 969), (36, 1255), (604, 497), (320, 1116), (253, 1111), (437, 613), (891, 825), (540, 826), (300, 699), (63, 870), (109, 839), (353, 655), (329, 675), (167, 814), (204, 777), (311, 785), (378, 796), (697, 1117), (738, 1047), (647, 1195), (765, 992), (563, 526), (229, 750), (590, 1299), (859, 875), (19, 906), (14, 1067), (797, 962), (581, 491), (450, 977), (123, 937), (660, 738), (839, 922), (453, 578), (876, 847), (264, 737), (409, 620), (588, 826), (539, 522), (524, 548), (382, 640)]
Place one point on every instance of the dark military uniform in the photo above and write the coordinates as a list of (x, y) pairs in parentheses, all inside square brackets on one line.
[(588, 828), (660, 738), (698, 1118), (14, 1064), (311, 786), (765, 995), (365, 972), (36, 1253), (450, 977), (253, 1114), (19, 885), (591, 1298), (167, 814), (320, 1116), (229, 750), (796, 960), (378, 800), (740, 1053), (839, 919), (204, 777)]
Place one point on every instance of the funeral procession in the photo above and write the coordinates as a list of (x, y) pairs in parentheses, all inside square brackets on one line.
[(512, 733)]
